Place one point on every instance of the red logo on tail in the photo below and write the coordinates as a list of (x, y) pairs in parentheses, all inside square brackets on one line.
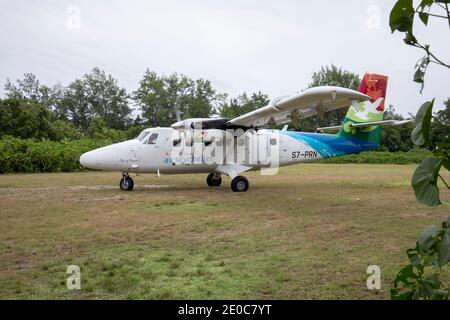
[(375, 86)]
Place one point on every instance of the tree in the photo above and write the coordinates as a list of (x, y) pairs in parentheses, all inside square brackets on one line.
[(24, 119), (153, 100), (75, 106), (334, 76), (30, 88), (96, 95), (199, 104), (243, 104), (395, 139), (98, 130), (329, 76), (62, 130), (440, 127), (164, 100)]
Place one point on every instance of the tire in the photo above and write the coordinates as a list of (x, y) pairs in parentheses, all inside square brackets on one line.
[(239, 184), (126, 184), (212, 181)]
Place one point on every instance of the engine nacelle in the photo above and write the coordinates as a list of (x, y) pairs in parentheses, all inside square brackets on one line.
[(189, 124), (204, 136)]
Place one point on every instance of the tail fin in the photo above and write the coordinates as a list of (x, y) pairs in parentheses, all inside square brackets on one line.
[(375, 86)]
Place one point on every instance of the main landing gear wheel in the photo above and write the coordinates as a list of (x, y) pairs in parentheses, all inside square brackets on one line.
[(213, 181), (126, 183), (239, 184)]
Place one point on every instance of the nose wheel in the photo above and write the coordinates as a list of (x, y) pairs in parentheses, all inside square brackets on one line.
[(126, 183), (239, 184)]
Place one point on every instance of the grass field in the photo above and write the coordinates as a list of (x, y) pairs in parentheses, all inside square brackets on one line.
[(307, 233)]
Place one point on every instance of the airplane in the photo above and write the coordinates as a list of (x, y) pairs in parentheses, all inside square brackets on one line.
[(219, 146)]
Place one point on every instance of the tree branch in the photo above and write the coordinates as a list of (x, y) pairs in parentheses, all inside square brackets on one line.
[(448, 187), (427, 50), (448, 14), (437, 16), (440, 5)]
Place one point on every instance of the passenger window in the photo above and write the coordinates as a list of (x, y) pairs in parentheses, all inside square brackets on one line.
[(152, 139), (273, 142)]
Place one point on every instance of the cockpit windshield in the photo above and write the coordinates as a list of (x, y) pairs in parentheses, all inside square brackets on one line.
[(142, 136), (152, 139)]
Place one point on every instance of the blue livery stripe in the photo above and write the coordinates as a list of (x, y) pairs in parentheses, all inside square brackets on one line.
[(330, 145)]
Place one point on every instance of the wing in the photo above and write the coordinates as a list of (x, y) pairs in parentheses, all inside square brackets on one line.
[(309, 103)]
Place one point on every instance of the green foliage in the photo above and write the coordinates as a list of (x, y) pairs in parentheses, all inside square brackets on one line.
[(433, 248), (236, 107), (424, 182), (396, 138), (62, 130), (440, 129), (432, 251), (199, 102), (24, 119), (402, 16), (164, 100), (134, 131), (29, 88), (98, 130), (95, 95), (377, 157), (17, 155), (426, 176), (421, 133), (335, 76)]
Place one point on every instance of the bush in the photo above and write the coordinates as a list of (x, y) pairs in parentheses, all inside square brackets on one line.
[(17, 155), (98, 130), (24, 119), (377, 157), (134, 131), (60, 130)]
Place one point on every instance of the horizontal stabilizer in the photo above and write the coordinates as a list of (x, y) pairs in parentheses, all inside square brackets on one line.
[(329, 129), (385, 123)]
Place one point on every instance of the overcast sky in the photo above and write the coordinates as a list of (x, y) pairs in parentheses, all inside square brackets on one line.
[(271, 46)]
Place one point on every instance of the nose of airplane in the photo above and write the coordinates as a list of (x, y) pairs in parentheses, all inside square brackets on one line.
[(108, 158), (88, 159), (102, 159)]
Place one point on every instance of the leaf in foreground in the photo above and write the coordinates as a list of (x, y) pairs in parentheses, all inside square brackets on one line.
[(422, 121), (424, 182)]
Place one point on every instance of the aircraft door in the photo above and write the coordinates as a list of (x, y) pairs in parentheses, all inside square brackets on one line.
[(153, 150)]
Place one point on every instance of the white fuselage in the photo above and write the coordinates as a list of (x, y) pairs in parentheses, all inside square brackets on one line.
[(169, 153)]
